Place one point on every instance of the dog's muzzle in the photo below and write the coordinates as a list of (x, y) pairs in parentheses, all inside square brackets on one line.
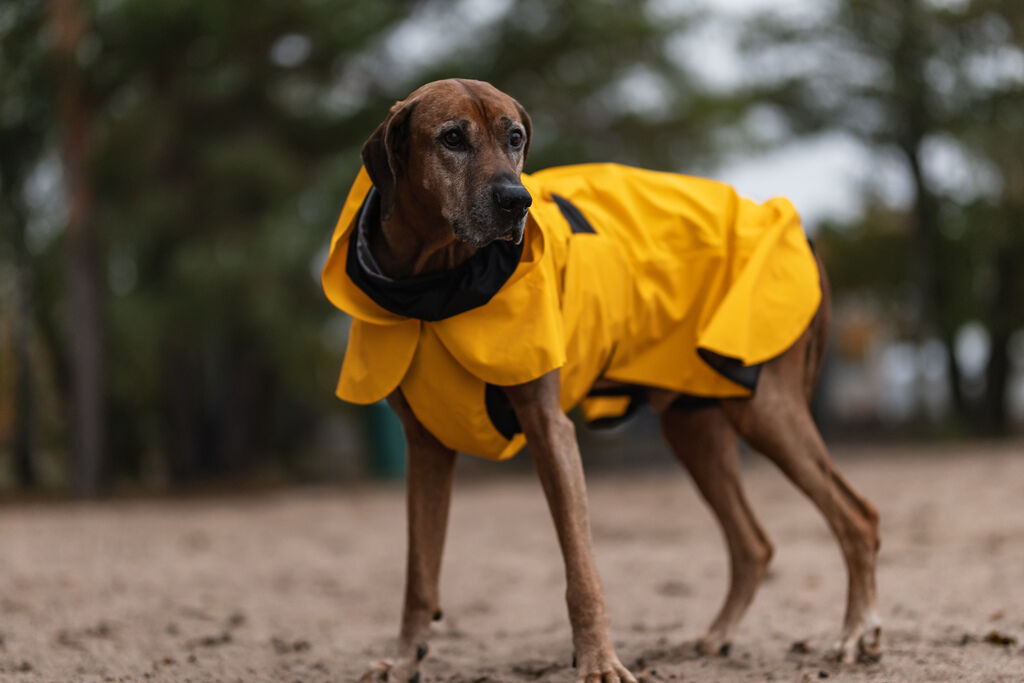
[(512, 201)]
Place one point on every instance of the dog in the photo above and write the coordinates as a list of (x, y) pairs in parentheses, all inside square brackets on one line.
[(486, 302)]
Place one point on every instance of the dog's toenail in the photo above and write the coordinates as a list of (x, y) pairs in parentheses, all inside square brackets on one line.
[(421, 652), (415, 678), (823, 674), (574, 660), (438, 615), (725, 649)]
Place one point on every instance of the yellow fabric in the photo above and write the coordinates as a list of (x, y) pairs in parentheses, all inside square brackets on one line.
[(368, 377), (604, 406), (337, 286), (676, 263), (437, 386)]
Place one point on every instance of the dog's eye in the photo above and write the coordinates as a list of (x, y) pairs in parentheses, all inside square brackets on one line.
[(452, 138), (515, 139)]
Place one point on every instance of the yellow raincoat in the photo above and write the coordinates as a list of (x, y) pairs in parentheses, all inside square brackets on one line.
[(645, 278)]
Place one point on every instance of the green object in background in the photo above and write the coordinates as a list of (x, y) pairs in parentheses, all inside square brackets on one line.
[(387, 441)]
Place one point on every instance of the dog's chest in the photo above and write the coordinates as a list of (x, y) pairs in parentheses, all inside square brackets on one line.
[(665, 267)]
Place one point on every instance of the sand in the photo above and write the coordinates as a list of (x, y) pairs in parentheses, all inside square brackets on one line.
[(305, 584)]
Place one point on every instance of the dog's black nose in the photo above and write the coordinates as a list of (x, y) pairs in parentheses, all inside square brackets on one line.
[(512, 198)]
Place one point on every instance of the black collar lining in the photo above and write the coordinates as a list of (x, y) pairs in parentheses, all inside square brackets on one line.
[(431, 296)]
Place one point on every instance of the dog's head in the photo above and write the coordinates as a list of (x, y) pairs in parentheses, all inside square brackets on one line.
[(457, 146)]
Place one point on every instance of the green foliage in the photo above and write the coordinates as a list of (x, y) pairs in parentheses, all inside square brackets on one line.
[(217, 179), (224, 137), (916, 78), (225, 134), (868, 257)]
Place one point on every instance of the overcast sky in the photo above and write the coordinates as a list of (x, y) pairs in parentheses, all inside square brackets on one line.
[(824, 177)]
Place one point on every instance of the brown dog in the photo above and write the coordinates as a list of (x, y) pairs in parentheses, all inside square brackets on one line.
[(442, 207)]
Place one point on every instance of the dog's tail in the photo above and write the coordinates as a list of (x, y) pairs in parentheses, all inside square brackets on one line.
[(819, 334)]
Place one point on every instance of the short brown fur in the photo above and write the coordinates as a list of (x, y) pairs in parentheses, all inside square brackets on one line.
[(425, 192)]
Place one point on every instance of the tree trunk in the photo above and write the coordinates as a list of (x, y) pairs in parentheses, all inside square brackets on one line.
[(927, 294), (915, 121), (25, 469), (996, 375), (1003, 318), (924, 225), (182, 411), (955, 376), (84, 283)]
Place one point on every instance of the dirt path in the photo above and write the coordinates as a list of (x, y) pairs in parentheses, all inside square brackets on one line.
[(305, 585)]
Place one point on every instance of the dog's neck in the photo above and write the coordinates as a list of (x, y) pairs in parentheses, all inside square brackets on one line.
[(413, 241)]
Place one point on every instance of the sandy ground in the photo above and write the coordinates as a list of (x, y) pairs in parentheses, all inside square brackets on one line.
[(305, 584)]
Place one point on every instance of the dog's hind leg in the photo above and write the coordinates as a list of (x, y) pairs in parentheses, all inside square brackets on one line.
[(704, 441), (777, 422)]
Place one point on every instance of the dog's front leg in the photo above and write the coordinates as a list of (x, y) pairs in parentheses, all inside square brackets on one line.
[(552, 441), (428, 493)]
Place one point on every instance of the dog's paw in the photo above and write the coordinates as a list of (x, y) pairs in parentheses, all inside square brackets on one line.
[(398, 670), (863, 645), (713, 645), (602, 667), (390, 672)]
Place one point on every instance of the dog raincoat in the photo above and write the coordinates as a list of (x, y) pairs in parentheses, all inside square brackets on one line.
[(644, 278)]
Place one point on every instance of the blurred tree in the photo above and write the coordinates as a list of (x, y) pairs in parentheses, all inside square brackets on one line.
[(220, 165), (84, 282), (600, 82), (208, 147), (990, 125), (26, 104), (921, 79)]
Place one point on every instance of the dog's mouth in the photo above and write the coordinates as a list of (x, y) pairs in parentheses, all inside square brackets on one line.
[(491, 233), (515, 233)]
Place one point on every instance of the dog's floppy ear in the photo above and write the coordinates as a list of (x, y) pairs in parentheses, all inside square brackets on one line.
[(385, 152), (528, 125)]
